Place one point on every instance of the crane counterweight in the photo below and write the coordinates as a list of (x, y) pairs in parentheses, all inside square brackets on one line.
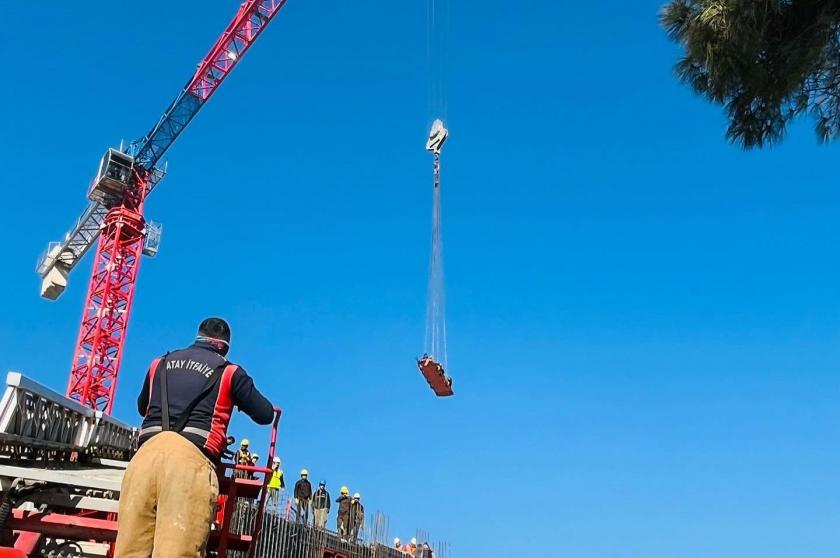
[(55, 281)]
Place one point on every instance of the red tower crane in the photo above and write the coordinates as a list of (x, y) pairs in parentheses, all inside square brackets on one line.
[(115, 216)]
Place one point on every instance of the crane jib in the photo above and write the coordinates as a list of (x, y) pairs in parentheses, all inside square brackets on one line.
[(148, 151), (249, 22)]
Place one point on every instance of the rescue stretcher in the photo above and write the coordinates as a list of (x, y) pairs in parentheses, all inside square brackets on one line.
[(436, 376)]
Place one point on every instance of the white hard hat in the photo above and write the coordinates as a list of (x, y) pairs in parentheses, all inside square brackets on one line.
[(356, 496), (413, 540), (276, 459), (255, 456), (397, 540)]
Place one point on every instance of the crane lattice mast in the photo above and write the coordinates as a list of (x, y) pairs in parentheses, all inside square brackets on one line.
[(115, 216)]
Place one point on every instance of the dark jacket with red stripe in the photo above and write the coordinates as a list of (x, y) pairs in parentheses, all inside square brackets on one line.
[(188, 371)]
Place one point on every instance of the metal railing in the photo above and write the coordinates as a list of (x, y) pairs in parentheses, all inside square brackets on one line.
[(34, 419), (282, 536)]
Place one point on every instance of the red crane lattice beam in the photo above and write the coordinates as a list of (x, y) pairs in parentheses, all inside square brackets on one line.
[(251, 19), (93, 376)]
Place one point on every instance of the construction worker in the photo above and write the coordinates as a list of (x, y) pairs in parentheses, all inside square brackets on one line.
[(169, 491), (255, 462), (227, 453), (397, 544), (321, 505), (303, 495), (357, 516), (276, 484), (243, 457), (343, 519), (427, 551), (412, 547)]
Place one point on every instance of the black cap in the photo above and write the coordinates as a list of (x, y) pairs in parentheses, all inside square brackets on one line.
[(215, 328)]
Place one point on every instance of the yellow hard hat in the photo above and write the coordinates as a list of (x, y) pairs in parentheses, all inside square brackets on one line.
[(304, 472), (245, 442), (345, 490)]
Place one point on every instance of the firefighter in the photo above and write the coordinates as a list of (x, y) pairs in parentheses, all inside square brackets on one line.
[(276, 484), (357, 516), (303, 495), (343, 519), (321, 505), (169, 491)]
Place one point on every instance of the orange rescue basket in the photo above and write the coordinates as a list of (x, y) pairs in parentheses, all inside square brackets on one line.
[(440, 383)]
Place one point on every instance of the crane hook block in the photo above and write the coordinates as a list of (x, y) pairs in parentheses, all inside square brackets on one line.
[(437, 135)]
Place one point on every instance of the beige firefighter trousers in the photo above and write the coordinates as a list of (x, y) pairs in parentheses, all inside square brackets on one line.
[(167, 500)]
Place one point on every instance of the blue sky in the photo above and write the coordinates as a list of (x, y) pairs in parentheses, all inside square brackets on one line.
[(644, 320)]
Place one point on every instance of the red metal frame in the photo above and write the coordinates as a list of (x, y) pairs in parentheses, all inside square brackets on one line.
[(99, 348), (233, 486)]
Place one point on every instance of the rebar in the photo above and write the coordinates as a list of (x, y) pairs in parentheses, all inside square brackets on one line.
[(282, 536)]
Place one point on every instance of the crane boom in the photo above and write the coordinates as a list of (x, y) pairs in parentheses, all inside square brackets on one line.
[(252, 18), (246, 26), (116, 217)]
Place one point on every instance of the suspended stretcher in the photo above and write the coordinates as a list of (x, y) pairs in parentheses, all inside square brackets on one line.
[(433, 362), (434, 373)]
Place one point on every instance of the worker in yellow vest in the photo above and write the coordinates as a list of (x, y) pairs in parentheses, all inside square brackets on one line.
[(277, 484)]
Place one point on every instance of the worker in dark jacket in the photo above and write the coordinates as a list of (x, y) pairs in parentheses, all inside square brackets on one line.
[(228, 453), (343, 519), (169, 491), (303, 496), (321, 505), (357, 516)]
